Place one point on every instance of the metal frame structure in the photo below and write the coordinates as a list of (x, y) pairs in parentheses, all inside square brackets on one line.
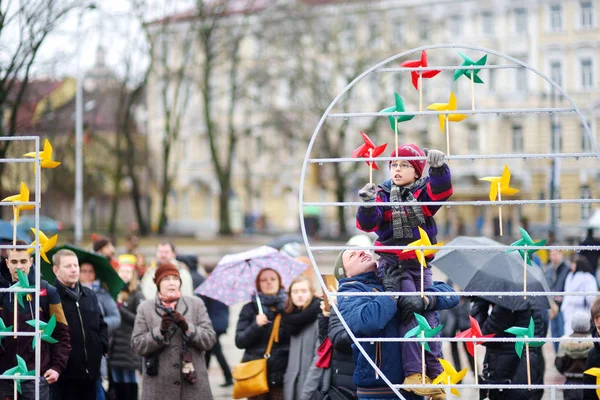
[(380, 68), (37, 204)]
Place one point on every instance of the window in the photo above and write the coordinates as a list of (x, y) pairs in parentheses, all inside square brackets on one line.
[(348, 35), (585, 193), (374, 34), (556, 132), (491, 82), (585, 141), (521, 80), (517, 138), (487, 23), (555, 17), (424, 28), (397, 30), (586, 73), (473, 138), (587, 13), (556, 72), (520, 20), (455, 25)]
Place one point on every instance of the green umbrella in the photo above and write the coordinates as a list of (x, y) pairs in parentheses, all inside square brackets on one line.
[(104, 271)]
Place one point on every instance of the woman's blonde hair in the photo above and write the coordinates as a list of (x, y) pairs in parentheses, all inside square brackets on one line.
[(289, 305), (130, 288)]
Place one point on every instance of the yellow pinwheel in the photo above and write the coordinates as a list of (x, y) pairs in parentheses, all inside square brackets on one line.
[(45, 244), (45, 156), (449, 106), (594, 372), (422, 253), (22, 196), (500, 184), (449, 376)]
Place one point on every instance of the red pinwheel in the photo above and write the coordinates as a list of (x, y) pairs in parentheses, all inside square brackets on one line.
[(419, 63), (369, 150), (474, 331)]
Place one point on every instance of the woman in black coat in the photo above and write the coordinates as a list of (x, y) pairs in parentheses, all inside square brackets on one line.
[(254, 329), (123, 361), (501, 364)]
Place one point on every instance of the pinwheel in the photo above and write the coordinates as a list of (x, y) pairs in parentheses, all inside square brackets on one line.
[(424, 330), (526, 254), (422, 253), (449, 376), (594, 372), (417, 76), (395, 119), (19, 370), (45, 244), (22, 283), (3, 328), (473, 332), (23, 196), (46, 328), (471, 74), (500, 185), (369, 150), (45, 156), (525, 333), (445, 118)]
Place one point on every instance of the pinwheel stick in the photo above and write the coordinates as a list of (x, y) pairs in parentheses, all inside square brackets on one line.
[(473, 89), (15, 226), (475, 361), (500, 209), (447, 136), (15, 210), (420, 93), (422, 281), (528, 365), (396, 134), (15, 390), (371, 167), (524, 274), (423, 358)]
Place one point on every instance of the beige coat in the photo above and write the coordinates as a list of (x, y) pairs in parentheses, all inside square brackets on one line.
[(147, 339)]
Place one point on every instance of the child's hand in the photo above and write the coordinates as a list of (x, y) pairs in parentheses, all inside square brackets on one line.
[(368, 193), (435, 158)]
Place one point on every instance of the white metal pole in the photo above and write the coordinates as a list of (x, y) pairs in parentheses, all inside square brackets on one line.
[(79, 144)]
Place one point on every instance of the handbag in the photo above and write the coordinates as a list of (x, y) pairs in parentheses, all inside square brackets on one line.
[(324, 352), (250, 378)]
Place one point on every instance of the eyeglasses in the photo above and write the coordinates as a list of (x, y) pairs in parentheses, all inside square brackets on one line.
[(401, 165)]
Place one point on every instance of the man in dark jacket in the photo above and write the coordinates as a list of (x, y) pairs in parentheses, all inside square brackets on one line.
[(501, 364), (53, 356), (89, 332), (219, 317), (556, 274), (379, 316)]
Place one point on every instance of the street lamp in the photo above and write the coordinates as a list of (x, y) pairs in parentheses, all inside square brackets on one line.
[(79, 136)]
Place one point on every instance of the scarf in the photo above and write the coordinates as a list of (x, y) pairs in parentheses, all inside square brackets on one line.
[(300, 318), (404, 218), (273, 304), (169, 302)]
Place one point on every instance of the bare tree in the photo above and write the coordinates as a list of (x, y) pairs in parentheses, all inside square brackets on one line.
[(24, 27)]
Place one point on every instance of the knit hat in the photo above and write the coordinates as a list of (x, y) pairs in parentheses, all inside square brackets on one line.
[(410, 150), (99, 241), (127, 260), (580, 322), (338, 268), (165, 270)]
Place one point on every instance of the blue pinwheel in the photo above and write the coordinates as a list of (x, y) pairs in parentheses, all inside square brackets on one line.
[(524, 333), (46, 328), (22, 283), (423, 330), (19, 370), (3, 328), (526, 241)]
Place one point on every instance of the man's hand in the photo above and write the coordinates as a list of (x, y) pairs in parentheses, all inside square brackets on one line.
[(51, 376), (392, 279), (368, 193), (435, 158), (180, 321), (261, 320), (165, 323), (408, 305)]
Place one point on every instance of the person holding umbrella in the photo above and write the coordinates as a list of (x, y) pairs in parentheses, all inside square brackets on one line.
[(172, 332), (254, 327)]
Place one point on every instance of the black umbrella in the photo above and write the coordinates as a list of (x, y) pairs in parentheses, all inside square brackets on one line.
[(492, 271)]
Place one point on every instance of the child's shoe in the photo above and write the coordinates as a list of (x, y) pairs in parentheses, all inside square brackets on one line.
[(417, 379)]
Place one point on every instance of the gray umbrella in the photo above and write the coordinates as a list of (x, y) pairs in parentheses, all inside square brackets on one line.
[(492, 271)]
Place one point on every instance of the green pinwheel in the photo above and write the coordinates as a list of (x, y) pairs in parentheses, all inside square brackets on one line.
[(19, 370), (468, 62), (524, 333), (22, 283), (399, 107), (526, 241), (46, 328), (423, 330), (3, 328)]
